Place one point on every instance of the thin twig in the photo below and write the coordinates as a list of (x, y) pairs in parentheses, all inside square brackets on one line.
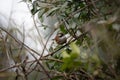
[(20, 42), (81, 36), (36, 27)]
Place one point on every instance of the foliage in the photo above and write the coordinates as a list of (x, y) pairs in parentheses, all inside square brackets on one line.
[(91, 54), (95, 54), (92, 49)]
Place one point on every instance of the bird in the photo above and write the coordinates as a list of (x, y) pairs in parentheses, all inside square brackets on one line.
[(60, 38)]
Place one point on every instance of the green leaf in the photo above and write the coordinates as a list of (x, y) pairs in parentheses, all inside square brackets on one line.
[(41, 12), (71, 60), (62, 29), (34, 9), (51, 11), (75, 48), (65, 54)]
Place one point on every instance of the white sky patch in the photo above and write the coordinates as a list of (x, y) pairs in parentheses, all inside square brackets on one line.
[(19, 13)]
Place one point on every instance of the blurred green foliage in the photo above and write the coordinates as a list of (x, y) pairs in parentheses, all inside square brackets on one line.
[(92, 56)]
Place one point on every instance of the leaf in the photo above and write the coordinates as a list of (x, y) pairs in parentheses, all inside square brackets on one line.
[(75, 48), (71, 60), (65, 54), (41, 12), (62, 28), (68, 64), (52, 11), (34, 9)]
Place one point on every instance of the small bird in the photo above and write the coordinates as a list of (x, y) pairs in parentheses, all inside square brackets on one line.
[(60, 38)]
